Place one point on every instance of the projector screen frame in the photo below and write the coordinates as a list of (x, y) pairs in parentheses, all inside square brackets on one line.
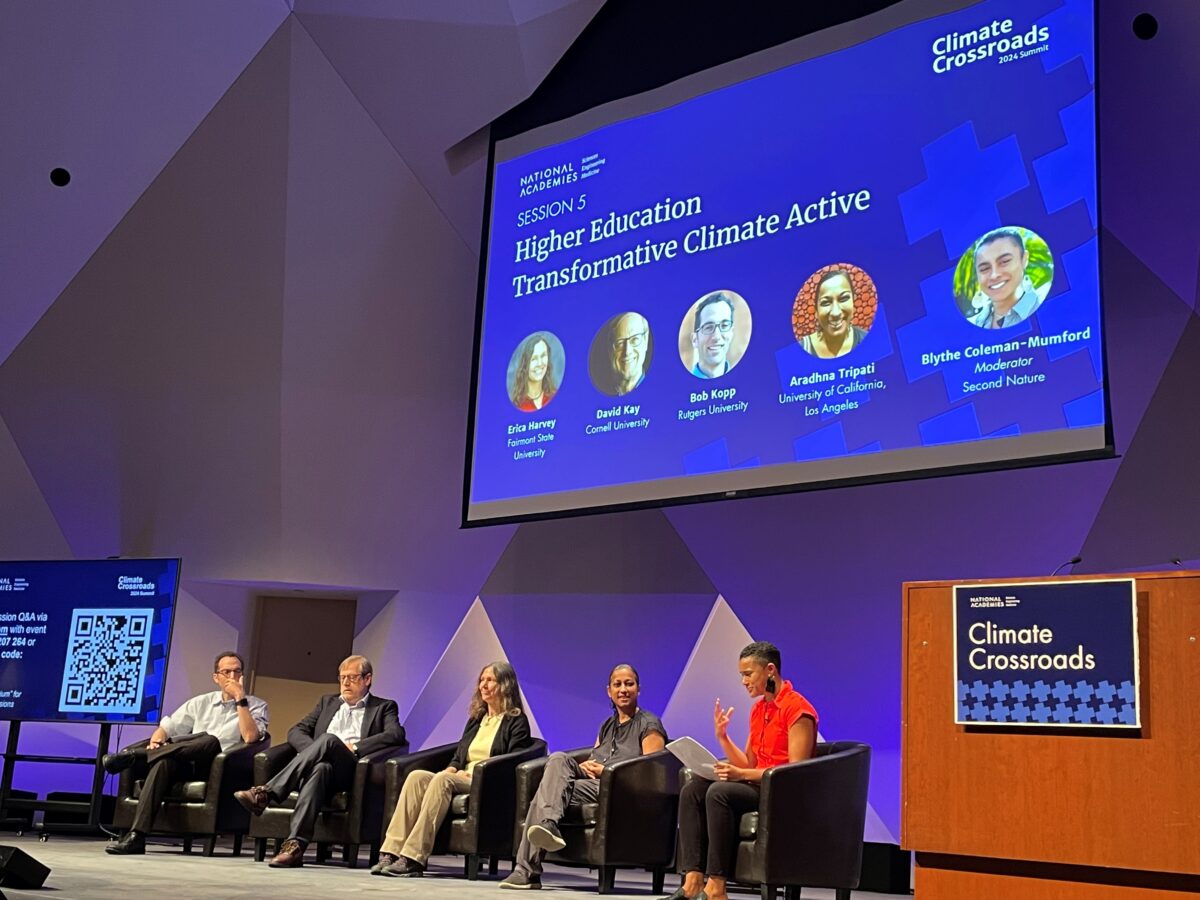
[(503, 129), (65, 719)]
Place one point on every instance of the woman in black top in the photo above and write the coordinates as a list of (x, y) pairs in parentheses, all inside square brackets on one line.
[(496, 724), (629, 732)]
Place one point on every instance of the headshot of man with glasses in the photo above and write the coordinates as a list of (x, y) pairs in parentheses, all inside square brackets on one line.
[(714, 333), (621, 354)]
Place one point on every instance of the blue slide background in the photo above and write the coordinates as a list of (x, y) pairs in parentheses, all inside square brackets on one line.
[(59, 588), (946, 157)]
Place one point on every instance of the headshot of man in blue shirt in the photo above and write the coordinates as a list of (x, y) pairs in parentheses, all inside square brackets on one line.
[(713, 335)]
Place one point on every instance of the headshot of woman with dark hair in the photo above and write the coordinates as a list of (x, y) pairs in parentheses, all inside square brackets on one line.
[(833, 306), (496, 724), (534, 381)]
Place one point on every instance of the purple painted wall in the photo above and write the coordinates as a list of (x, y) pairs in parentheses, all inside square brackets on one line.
[(241, 336)]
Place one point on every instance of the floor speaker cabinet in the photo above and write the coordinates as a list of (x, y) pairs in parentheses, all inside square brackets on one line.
[(20, 870)]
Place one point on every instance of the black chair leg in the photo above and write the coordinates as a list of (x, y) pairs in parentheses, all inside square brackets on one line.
[(373, 855), (322, 853), (493, 865), (608, 879), (187, 844), (766, 891), (350, 855), (792, 892), (842, 894), (210, 845), (260, 849), (471, 866), (658, 876), (237, 845)]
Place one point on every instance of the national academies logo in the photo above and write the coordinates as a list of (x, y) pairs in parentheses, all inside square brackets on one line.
[(550, 177), (999, 40)]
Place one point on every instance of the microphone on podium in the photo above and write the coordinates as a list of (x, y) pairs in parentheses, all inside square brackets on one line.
[(1070, 562)]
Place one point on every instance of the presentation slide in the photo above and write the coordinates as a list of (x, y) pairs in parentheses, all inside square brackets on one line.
[(866, 254), (85, 640)]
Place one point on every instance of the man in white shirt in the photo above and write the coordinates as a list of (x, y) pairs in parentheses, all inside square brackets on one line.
[(329, 741), (185, 742)]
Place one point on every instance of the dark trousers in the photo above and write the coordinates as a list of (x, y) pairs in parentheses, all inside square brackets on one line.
[(183, 759), (709, 812), (563, 783), (319, 771)]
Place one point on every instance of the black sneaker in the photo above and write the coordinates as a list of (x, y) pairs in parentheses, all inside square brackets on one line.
[(520, 880), (546, 836), (132, 843)]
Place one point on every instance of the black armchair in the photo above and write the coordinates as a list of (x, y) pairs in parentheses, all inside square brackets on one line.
[(632, 825), (202, 806), (808, 830), (349, 818), (478, 823)]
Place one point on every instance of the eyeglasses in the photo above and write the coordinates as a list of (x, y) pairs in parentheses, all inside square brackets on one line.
[(352, 679), (229, 673), (635, 341), (708, 328)]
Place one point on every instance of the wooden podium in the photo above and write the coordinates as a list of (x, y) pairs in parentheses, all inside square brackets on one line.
[(1004, 813)]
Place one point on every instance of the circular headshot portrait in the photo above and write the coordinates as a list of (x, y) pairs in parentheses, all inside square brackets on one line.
[(1003, 277), (535, 371), (834, 310), (621, 353), (714, 334)]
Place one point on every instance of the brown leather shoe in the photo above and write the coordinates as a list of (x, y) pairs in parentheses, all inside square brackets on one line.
[(290, 855), (255, 799)]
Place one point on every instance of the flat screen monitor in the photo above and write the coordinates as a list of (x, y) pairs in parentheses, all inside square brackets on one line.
[(867, 254), (86, 640)]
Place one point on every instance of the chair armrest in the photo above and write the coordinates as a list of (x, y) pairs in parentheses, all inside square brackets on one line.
[(376, 761), (816, 807), (530, 772), (396, 769), (492, 808), (268, 763), (639, 802), (529, 779), (238, 763)]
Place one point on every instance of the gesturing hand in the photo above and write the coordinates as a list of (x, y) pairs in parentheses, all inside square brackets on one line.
[(721, 720)]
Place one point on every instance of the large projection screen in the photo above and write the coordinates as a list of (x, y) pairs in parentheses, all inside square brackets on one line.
[(867, 254)]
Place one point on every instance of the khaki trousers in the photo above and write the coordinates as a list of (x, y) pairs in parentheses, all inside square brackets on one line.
[(423, 802)]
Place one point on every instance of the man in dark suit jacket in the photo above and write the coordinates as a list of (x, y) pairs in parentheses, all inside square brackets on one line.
[(329, 741)]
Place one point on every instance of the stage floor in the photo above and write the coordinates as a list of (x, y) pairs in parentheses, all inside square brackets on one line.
[(81, 870)]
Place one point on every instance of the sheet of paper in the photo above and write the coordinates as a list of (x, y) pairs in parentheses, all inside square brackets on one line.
[(695, 756)]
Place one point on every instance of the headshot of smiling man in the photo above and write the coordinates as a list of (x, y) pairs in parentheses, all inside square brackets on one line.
[(1004, 277), (620, 354), (715, 334)]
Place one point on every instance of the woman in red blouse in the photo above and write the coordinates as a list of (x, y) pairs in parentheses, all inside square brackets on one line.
[(783, 728)]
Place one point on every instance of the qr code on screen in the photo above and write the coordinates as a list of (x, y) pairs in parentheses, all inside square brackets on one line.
[(106, 659)]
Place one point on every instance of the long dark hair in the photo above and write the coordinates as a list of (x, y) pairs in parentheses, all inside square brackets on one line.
[(521, 378), (510, 691)]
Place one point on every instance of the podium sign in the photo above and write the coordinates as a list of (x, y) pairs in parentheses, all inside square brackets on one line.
[(1062, 653)]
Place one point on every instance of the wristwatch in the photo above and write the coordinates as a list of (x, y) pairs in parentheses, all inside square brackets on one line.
[(243, 702)]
